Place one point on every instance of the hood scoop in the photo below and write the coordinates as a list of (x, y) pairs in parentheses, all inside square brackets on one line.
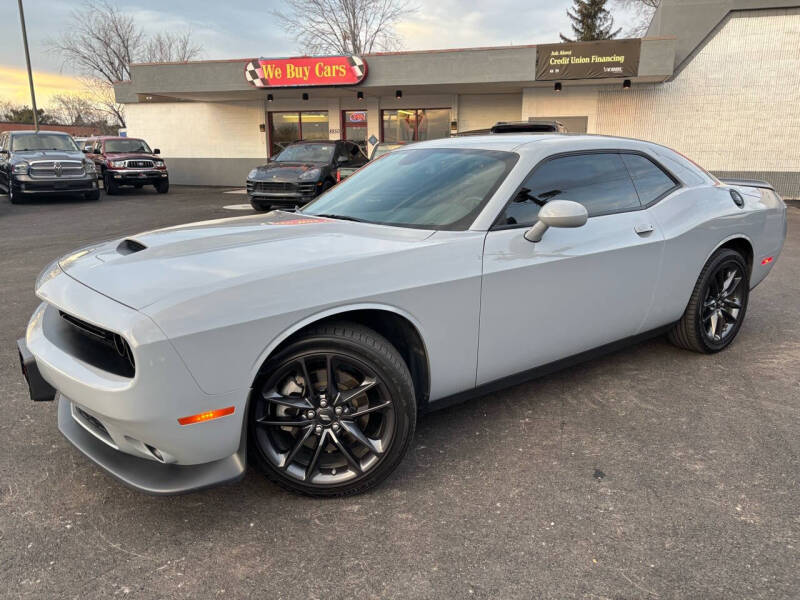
[(129, 246)]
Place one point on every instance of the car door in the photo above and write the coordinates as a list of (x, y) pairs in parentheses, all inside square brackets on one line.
[(576, 289)]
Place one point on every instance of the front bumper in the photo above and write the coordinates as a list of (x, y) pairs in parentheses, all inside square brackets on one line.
[(137, 176), (283, 193), (25, 184), (129, 425), (145, 475)]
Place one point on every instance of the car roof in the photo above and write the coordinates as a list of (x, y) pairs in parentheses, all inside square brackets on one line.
[(31, 131), (510, 142)]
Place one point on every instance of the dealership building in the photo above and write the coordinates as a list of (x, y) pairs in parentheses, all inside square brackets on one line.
[(718, 80)]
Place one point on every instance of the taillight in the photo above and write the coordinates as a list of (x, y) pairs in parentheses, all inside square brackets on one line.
[(338, 175)]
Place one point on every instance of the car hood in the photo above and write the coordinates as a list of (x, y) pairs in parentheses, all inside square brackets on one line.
[(200, 258), (284, 171), (29, 155), (131, 156)]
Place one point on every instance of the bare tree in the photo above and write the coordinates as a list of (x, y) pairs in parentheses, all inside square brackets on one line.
[(171, 47), (343, 26), (74, 109), (642, 13), (102, 97), (101, 42)]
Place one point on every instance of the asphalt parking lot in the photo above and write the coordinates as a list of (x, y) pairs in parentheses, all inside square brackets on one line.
[(649, 473)]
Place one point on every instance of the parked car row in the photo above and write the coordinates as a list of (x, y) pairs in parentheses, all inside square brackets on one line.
[(51, 163)]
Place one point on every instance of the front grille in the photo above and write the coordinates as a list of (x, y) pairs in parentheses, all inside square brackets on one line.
[(93, 425), (57, 168), (139, 164), (102, 348), (58, 184), (273, 186)]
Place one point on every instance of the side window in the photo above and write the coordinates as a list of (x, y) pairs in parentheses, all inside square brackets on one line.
[(598, 181), (3, 141), (98, 147), (650, 180)]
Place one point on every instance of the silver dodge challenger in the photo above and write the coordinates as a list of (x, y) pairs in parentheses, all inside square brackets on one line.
[(308, 342)]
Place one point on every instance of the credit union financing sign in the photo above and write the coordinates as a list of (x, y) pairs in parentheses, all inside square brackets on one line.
[(305, 71), (588, 60)]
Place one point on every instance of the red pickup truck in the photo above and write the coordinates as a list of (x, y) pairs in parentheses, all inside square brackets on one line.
[(127, 161)]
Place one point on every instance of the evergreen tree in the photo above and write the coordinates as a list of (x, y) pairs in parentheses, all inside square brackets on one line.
[(590, 21)]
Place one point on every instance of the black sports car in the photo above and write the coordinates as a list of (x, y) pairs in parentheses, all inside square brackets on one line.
[(300, 173)]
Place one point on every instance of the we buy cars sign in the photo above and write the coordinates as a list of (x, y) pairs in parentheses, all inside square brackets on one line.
[(305, 71)]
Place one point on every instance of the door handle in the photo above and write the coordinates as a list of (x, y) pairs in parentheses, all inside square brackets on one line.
[(643, 228)]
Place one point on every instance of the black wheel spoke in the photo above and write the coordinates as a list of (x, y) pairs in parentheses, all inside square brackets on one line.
[(354, 430), (369, 409), (267, 422), (729, 316), (333, 389), (301, 440), (348, 395), (351, 460), (309, 391), (312, 464), (291, 401), (732, 303)]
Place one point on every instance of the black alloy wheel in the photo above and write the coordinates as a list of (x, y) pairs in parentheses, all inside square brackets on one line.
[(718, 304), (333, 413)]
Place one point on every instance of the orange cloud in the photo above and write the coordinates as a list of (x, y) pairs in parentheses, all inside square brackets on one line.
[(14, 85)]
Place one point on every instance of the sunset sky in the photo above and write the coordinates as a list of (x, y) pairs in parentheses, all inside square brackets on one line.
[(247, 29)]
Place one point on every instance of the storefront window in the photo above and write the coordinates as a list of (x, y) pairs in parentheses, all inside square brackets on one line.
[(413, 125), (288, 127), (354, 125)]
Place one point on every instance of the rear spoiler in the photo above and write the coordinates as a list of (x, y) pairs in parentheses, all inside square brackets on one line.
[(754, 183)]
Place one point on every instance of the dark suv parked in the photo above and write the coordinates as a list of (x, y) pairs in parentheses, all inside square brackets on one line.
[(127, 161), (300, 173), (44, 162)]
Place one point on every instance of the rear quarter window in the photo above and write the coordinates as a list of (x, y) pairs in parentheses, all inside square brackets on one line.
[(650, 180)]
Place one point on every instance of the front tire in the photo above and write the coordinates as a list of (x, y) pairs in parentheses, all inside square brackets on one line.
[(259, 206), (14, 197), (315, 438), (109, 184), (92, 196), (162, 187), (717, 306)]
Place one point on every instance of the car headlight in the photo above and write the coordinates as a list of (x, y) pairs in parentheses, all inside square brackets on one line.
[(21, 168), (88, 166), (158, 163), (117, 164), (310, 175), (252, 174)]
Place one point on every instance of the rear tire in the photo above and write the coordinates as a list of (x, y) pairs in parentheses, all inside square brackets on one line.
[(717, 306), (162, 187), (342, 439)]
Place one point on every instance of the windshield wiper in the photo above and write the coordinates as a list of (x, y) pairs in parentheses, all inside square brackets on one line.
[(340, 217)]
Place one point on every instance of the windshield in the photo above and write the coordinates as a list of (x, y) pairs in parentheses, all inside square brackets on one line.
[(42, 141), (306, 153), (429, 188), (127, 145), (382, 149)]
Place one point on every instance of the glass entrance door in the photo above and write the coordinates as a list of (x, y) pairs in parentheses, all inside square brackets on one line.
[(354, 124), (415, 124)]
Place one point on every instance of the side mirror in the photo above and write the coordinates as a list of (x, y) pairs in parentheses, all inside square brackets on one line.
[(85, 150), (557, 213), (156, 151)]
